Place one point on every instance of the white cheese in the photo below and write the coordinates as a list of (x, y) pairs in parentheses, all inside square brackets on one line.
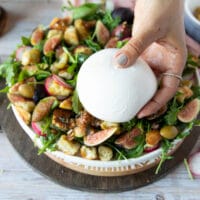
[(114, 94)]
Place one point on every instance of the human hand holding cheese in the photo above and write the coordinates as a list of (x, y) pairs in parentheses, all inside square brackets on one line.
[(159, 37), (111, 93)]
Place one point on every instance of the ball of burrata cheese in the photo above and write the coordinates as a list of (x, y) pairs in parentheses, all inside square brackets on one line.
[(114, 94)]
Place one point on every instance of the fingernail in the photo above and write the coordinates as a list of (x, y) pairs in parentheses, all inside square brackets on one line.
[(122, 59), (140, 115)]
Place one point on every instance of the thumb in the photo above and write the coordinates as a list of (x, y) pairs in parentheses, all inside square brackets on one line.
[(133, 49)]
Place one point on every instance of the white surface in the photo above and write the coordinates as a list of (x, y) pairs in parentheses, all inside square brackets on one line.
[(114, 94), (20, 181)]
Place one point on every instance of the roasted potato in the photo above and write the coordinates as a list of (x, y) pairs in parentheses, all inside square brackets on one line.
[(71, 36), (89, 153), (105, 153), (67, 146)]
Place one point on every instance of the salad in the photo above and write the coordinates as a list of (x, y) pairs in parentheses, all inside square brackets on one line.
[(41, 85)]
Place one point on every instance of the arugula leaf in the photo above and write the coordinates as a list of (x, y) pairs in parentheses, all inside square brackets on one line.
[(26, 41), (23, 75), (139, 149), (196, 91), (120, 44), (40, 45), (76, 105), (72, 82), (71, 69), (186, 131), (81, 58), (171, 116), (46, 125), (166, 145), (48, 141), (84, 11), (9, 70), (4, 90), (119, 153), (41, 74), (196, 122), (92, 45), (72, 59), (128, 126), (109, 21), (191, 64), (192, 61), (55, 105), (49, 58)]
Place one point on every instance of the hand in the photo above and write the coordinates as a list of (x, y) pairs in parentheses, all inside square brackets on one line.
[(158, 36)]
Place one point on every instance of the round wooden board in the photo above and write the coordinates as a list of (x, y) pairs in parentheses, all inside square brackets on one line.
[(68, 178)]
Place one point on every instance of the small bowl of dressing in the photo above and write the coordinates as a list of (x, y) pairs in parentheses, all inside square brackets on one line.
[(192, 18)]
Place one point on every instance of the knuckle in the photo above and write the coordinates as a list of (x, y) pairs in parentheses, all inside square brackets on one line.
[(135, 45)]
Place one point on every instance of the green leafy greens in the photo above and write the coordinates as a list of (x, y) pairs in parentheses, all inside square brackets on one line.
[(166, 145), (10, 70), (85, 11), (76, 105), (171, 116)]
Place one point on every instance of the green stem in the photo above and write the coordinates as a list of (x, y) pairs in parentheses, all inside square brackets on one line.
[(188, 169)]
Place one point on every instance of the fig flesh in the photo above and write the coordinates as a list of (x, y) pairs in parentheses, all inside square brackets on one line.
[(102, 33), (99, 137), (43, 108), (127, 140), (189, 111)]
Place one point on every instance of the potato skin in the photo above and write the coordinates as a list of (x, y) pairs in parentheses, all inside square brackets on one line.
[(89, 153), (105, 153), (82, 30), (67, 146), (19, 101), (71, 36), (37, 36)]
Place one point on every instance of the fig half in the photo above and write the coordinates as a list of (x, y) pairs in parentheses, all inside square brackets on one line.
[(43, 108), (189, 111), (127, 140), (102, 33), (99, 137)]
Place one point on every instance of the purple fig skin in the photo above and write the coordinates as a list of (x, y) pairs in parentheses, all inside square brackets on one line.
[(125, 14), (189, 111), (102, 33)]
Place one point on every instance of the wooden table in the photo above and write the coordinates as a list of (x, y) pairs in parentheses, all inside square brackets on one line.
[(17, 179)]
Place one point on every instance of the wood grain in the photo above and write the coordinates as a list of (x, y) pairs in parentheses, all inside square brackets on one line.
[(18, 180)]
